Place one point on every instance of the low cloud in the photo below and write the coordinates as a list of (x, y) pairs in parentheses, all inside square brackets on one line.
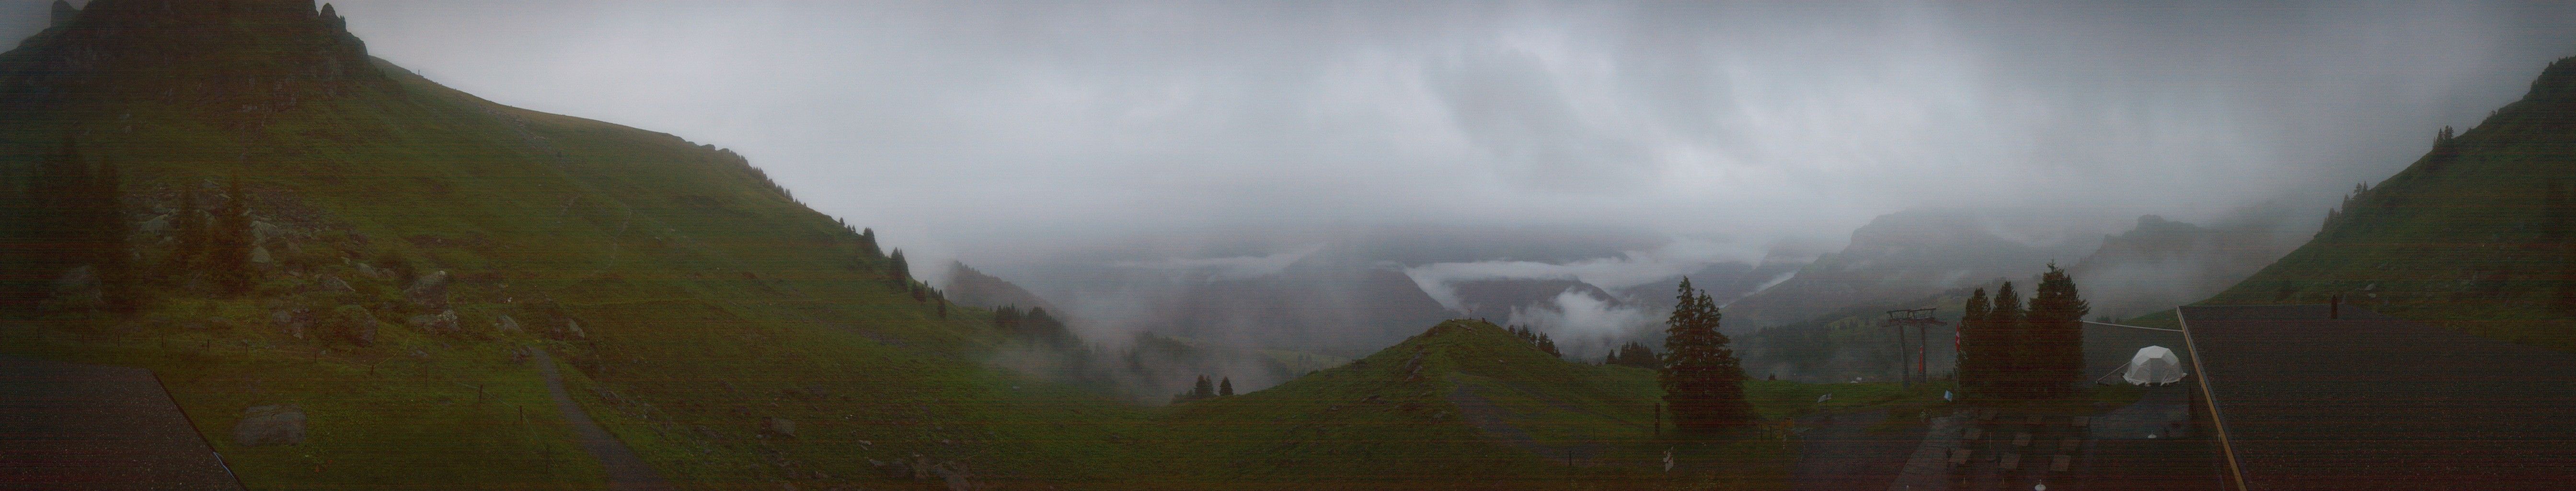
[(1230, 268), (1585, 326), (1672, 260)]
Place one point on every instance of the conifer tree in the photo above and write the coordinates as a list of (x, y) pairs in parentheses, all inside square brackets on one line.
[(1204, 389), (188, 227), (1703, 382), (229, 242), (868, 243), (1976, 356), (2055, 330), (1225, 388), (2011, 363), (110, 226)]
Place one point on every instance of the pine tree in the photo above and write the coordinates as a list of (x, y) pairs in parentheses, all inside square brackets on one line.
[(1225, 388), (868, 243), (902, 274), (2011, 363), (1976, 357), (2055, 326), (229, 242), (109, 227), (188, 226), (1204, 389), (1703, 382)]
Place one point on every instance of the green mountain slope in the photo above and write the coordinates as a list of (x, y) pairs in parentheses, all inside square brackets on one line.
[(1468, 402), (2475, 235), (692, 302)]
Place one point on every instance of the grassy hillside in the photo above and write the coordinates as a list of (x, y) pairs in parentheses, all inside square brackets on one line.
[(1468, 402), (418, 244), (689, 299), (2475, 235)]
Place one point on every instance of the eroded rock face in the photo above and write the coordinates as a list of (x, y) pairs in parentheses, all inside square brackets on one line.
[(270, 425)]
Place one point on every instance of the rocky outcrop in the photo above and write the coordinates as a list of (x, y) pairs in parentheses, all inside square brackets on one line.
[(444, 322), (505, 325), (292, 322), (270, 425), (430, 291), (354, 324), (64, 13), (780, 427)]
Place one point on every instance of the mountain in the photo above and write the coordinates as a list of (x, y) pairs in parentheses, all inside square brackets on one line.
[(2475, 235), (1906, 256), (1498, 298), (966, 286), (2163, 263), (406, 252)]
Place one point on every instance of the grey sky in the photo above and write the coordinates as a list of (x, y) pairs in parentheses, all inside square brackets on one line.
[(1012, 132)]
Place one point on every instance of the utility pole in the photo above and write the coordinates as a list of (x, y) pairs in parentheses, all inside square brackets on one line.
[(1922, 321)]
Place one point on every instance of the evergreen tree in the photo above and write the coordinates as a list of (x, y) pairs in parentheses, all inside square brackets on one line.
[(868, 243), (1977, 354), (1225, 388), (229, 241), (188, 227), (1204, 389), (902, 274), (1703, 382), (2055, 330), (2011, 364), (109, 228)]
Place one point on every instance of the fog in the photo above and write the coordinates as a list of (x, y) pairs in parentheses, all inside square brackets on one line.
[(1042, 141)]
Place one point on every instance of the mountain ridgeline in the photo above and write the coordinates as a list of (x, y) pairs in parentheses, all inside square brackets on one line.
[(2475, 235)]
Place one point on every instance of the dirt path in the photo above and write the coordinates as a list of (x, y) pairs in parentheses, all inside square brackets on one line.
[(626, 471), (1481, 412)]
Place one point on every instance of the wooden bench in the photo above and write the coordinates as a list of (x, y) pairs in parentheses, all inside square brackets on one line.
[(2021, 439), (1959, 456), (2061, 463), (1972, 434), (2012, 461)]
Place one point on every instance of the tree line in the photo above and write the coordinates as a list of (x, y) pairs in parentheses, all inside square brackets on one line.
[(2012, 352)]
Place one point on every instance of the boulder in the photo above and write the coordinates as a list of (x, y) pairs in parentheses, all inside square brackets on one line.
[(899, 469), (354, 324), (270, 425), (442, 322), (429, 291), (289, 321), (259, 255), (570, 330), (778, 426), (334, 283), (262, 232), (506, 325), (156, 226), (954, 476)]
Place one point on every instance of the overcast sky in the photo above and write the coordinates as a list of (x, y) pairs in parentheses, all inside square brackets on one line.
[(1010, 132)]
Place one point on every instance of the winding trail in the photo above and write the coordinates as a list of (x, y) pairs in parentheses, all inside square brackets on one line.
[(626, 471)]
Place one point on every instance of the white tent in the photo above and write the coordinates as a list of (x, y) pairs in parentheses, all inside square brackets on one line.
[(2153, 365)]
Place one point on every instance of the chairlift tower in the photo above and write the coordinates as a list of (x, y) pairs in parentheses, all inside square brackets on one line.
[(1922, 321)]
